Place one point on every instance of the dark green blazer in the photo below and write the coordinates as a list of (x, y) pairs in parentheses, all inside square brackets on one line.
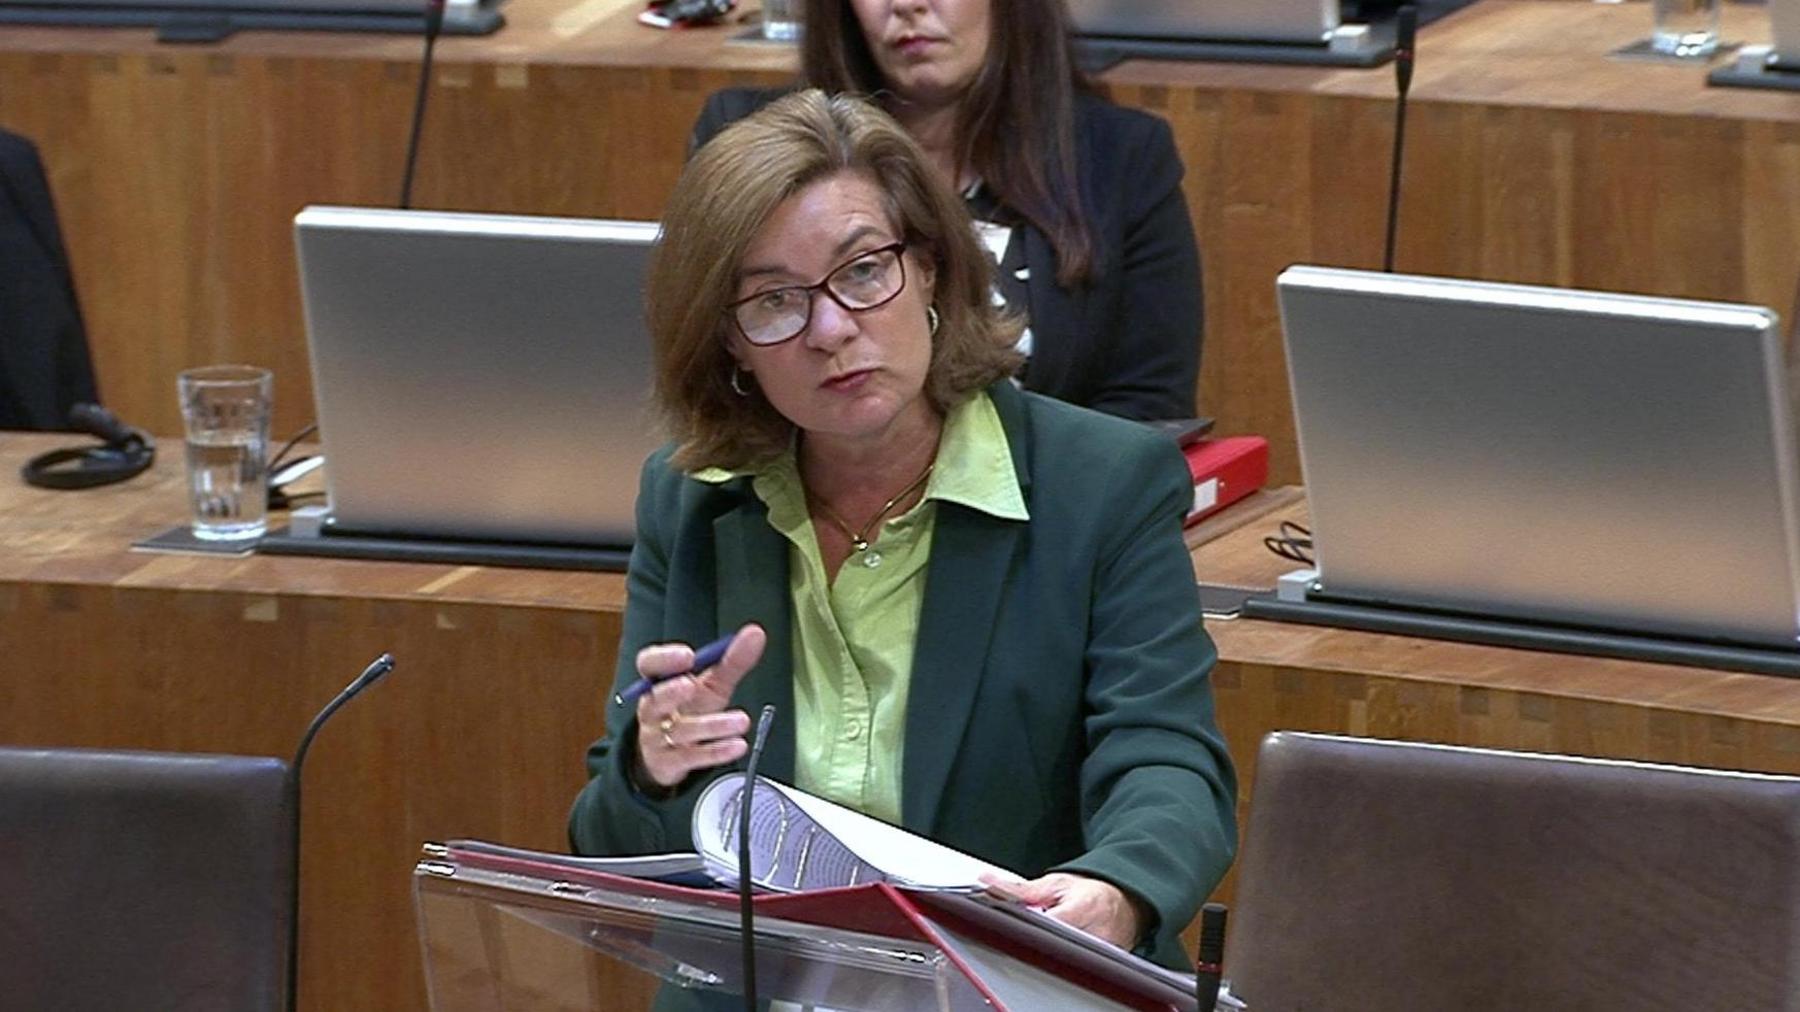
[(1060, 714)]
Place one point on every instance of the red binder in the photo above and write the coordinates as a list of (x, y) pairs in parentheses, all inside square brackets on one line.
[(1225, 470)]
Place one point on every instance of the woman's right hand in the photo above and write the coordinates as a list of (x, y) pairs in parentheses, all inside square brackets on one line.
[(683, 724)]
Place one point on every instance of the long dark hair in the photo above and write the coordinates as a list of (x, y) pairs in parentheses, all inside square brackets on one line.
[(1016, 124)]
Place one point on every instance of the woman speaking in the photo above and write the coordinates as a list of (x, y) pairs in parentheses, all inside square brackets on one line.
[(970, 603)]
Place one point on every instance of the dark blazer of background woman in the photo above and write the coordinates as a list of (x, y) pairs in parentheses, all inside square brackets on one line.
[(1126, 341), (44, 364)]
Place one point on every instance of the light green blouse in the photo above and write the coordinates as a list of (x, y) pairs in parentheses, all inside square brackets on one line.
[(854, 637)]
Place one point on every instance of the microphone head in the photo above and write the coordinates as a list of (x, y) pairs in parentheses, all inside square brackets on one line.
[(1212, 933), (96, 420), (377, 668), (1406, 29), (763, 722)]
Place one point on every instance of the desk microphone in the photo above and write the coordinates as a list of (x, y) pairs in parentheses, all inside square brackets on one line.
[(746, 913), (126, 453), (1406, 30), (370, 675), (434, 25), (1212, 956)]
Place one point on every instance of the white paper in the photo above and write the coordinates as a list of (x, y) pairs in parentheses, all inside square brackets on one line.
[(900, 857)]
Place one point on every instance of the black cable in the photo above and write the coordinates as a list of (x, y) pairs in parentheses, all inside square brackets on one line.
[(288, 447), (1291, 541), (281, 500)]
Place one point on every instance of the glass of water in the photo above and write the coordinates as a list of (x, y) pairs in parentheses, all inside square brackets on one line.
[(782, 20), (1685, 27), (226, 411)]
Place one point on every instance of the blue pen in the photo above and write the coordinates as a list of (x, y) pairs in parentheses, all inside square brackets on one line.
[(704, 658)]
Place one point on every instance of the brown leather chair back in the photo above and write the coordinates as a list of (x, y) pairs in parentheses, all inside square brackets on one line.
[(143, 880), (1396, 876)]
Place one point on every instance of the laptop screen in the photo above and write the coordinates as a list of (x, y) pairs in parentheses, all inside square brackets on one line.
[(1290, 21), (1603, 460), (479, 376)]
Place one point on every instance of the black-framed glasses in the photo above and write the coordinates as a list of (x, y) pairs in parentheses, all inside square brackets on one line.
[(863, 282)]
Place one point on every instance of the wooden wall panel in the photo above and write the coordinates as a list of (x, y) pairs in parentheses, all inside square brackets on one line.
[(178, 174), (478, 732)]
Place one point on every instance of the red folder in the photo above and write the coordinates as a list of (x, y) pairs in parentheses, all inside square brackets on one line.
[(1225, 470)]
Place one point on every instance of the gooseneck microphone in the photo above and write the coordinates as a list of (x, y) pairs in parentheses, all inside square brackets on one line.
[(1212, 956), (434, 25), (746, 912), (370, 675), (1406, 22)]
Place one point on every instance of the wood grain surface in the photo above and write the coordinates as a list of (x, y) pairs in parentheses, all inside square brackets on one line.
[(1532, 156)]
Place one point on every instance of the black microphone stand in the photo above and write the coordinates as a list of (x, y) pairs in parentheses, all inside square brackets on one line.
[(746, 911), (1407, 25), (380, 666), (434, 24)]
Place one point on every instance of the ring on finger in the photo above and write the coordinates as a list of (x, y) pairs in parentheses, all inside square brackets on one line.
[(667, 725)]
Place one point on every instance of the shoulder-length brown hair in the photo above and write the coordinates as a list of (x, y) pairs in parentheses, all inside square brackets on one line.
[(724, 196), (1016, 124)]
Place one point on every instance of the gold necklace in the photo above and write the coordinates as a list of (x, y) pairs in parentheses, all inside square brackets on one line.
[(859, 538)]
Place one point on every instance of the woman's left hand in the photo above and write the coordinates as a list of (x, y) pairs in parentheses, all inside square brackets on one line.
[(1096, 907)]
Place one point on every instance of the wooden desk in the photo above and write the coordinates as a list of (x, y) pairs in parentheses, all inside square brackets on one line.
[(1531, 157), (480, 730)]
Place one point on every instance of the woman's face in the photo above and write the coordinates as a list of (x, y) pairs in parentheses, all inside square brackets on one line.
[(853, 377), (928, 50)]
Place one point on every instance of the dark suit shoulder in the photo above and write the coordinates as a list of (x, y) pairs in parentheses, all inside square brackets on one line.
[(17, 150), (23, 170), (1105, 128), (1068, 443), (663, 480), (1127, 160), (728, 105), (668, 494)]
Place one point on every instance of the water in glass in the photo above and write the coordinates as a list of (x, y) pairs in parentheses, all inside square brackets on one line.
[(226, 484), (226, 411), (781, 20), (1685, 27)]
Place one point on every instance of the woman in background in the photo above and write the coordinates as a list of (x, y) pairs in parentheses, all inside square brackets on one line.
[(1078, 200)]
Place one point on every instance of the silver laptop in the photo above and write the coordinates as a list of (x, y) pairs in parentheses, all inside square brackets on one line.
[(460, 16), (1784, 30), (1577, 457), (1289, 21), (478, 376)]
